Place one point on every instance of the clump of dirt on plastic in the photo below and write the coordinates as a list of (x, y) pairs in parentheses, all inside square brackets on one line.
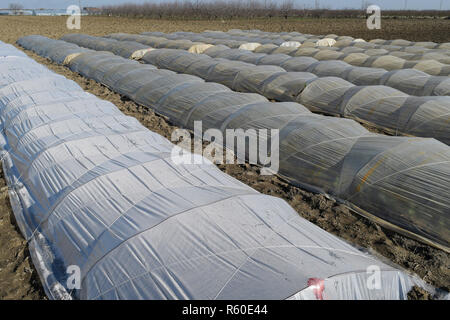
[(417, 293)]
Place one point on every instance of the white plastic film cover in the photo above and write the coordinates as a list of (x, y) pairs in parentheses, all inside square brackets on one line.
[(363, 73), (331, 95), (433, 62), (251, 46), (93, 188), (400, 182)]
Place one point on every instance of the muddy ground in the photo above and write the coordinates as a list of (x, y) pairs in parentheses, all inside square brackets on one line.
[(18, 279)]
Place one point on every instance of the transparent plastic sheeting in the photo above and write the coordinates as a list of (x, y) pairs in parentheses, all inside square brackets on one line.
[(399, 43), (338, 50), (237, 37), (410, 81), (382, 106), (279, 38), (345, 47), (434, 63), (388, 62), (401, 182), (91, 187)]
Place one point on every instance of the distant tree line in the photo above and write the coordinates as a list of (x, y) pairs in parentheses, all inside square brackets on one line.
[(15, 7), (234, 9)]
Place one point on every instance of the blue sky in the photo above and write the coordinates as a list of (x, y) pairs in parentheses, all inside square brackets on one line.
[(384, 4)]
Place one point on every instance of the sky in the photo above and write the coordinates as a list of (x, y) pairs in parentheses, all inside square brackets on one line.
[(333, 4)]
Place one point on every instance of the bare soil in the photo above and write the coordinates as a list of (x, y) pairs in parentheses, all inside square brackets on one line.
[(17, 276), (438, 30)]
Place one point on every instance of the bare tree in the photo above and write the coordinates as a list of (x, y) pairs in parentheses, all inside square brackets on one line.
[(15, 7), (286, 7), (238, 9)]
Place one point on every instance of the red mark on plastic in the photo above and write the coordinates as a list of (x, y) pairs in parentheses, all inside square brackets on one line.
[(318, 285)]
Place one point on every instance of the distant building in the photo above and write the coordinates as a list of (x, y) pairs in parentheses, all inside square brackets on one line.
[(20, 12)]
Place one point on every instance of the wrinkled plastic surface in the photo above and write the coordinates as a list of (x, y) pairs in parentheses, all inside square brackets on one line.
[(432, 63), (403, 181), (379, 105), (93, 188)]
